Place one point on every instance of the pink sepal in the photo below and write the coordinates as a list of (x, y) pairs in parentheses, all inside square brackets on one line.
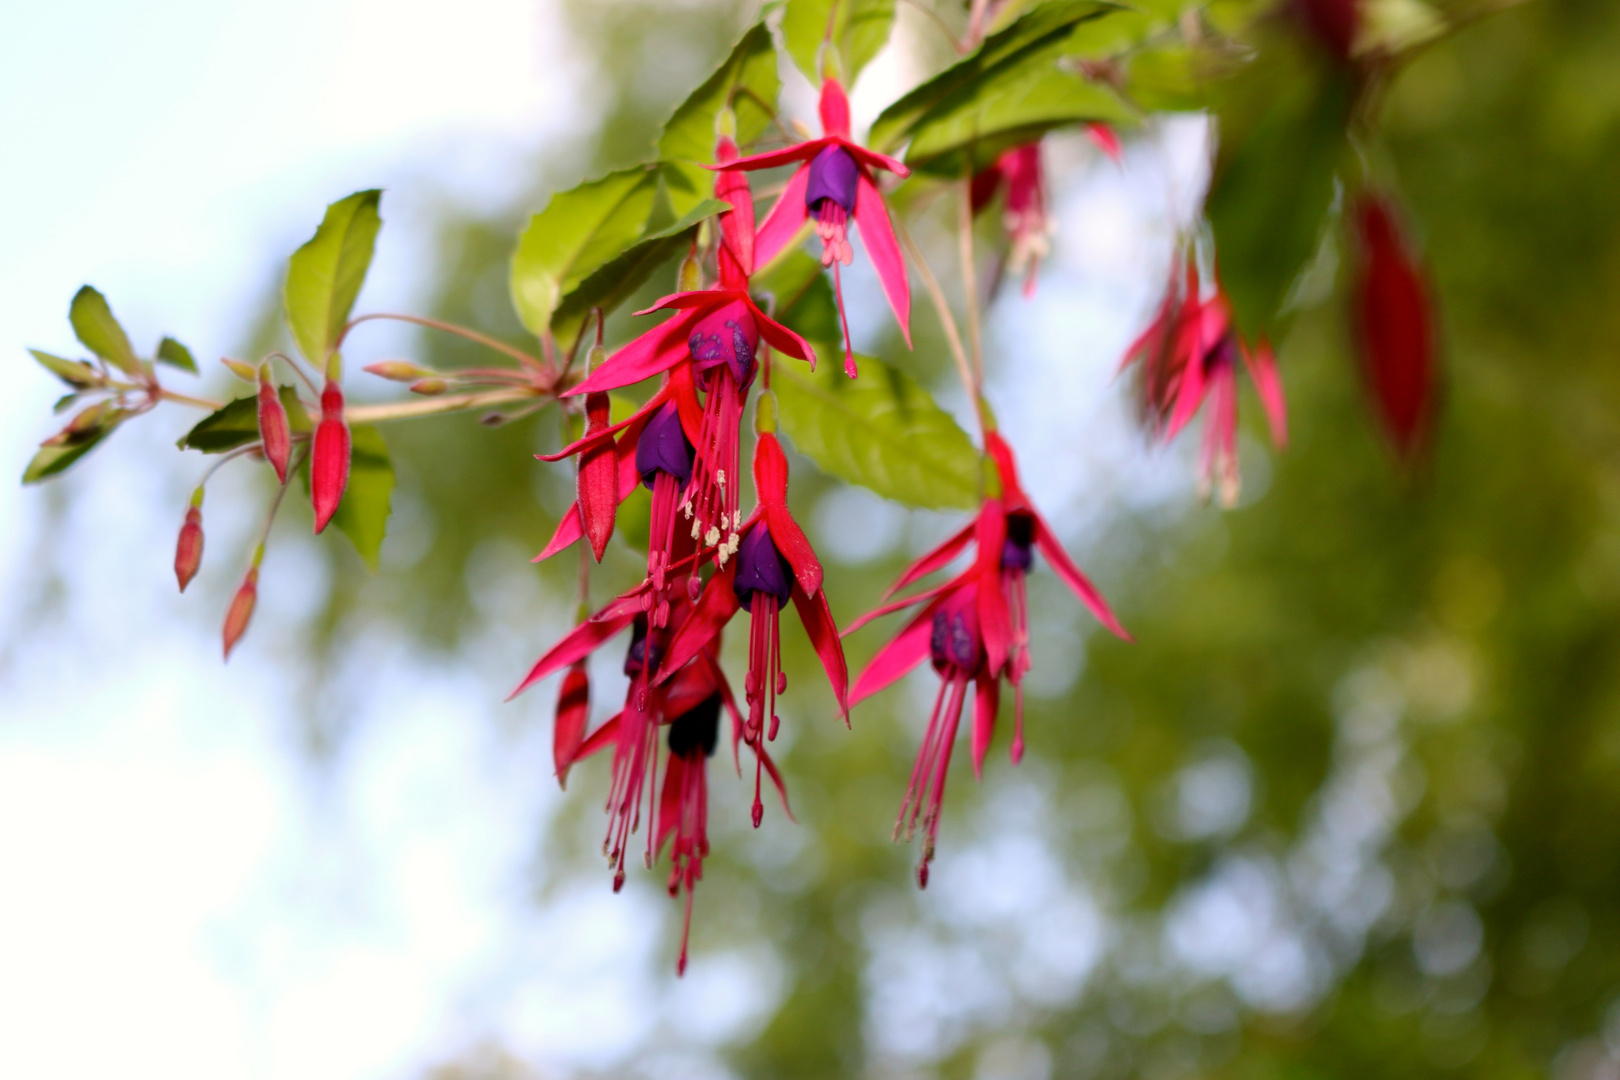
[(785, 220), (1082, 587), (985, 704), (877, 233), (823, 634)]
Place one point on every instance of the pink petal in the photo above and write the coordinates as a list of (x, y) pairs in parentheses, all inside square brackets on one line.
[(899, 656), (714, 609), (603, 737), (568, 727), (823, 633), (874, 160), (776, 779), (898, 605), (797, 152), (780, 337), (654, 352), (877, 233), (696, 298), (584, 639), (984, 720), (1064, 567), (1263, 370), (995, 620), (785, 219), (569, 529), (1106, 140), (586, 442), (940, 557)]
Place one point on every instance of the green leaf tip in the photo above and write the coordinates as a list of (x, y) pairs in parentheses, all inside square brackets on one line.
[(325, 275)]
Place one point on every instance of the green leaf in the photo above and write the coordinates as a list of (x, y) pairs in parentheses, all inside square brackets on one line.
[(1001, 53), (97, 329), (882, 431), (1013, 105), (859, 28), (1282, 124), (579, 230), (73, 372), (748, 82), (177, 355), (617, 280), (363, 513), (803, 299), (324, 276), (237, 424), (49, 461)]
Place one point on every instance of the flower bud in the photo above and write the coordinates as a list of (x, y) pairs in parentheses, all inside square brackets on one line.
[(429, 387), (241, 609), (573, 709), (765, 413), (691, 275), (188, 549), (273, 430), (329, 467), (398, 370), (240, 369)]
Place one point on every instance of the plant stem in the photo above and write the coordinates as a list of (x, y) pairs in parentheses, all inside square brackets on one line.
[(449, 328), (970, 283), (405, 410), (182, 399), (943, 309)]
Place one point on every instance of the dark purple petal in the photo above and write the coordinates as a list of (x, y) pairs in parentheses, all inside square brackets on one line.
[(761, 568), (662, 447), (833, 175), (696, 729), (728, 336), (635, 661), (955, 639), (1017, 551)]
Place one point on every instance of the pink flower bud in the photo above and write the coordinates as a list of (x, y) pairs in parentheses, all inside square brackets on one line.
[(573, 709), (273, 429), (241, 610), (188, 550), (329, 471)]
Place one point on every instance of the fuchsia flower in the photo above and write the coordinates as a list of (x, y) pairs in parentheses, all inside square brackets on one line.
[(1189, 352), (687, 701), (1024, 216), (1394, 325), (774, 563), (835, 182), (716, 333), (274, 431), (975, 629)]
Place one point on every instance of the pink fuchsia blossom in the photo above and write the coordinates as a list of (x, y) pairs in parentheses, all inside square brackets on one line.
[(775, 563), (1189, 353), (1394, 325), (974, 629), (716, 333), (835, 182), (1024, 210)]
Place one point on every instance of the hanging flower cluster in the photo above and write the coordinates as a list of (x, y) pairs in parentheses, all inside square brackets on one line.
[(975, 133)]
